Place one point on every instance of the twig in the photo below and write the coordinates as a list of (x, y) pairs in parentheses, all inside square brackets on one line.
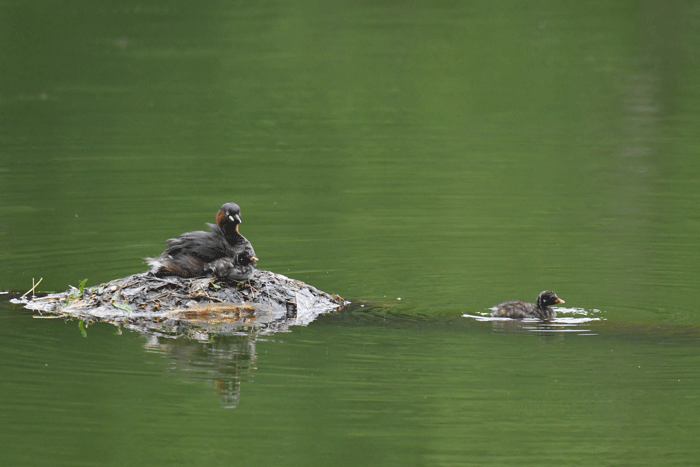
[(50, 297), (165, 281), (32, 289)]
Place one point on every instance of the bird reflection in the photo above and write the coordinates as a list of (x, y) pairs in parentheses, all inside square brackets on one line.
[(225, 360)]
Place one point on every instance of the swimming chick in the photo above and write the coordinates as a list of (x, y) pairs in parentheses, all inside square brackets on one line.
[(223, 252), (519, 309)]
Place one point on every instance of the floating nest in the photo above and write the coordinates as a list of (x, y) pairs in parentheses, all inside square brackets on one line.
[(267, 302)]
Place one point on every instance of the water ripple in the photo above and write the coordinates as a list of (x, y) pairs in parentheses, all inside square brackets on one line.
[(567, 320)]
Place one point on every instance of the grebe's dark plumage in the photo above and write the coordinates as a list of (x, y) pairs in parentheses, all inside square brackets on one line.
[(520, 309), (223, 252)]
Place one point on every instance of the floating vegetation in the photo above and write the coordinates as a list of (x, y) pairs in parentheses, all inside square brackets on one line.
[(173, 306)]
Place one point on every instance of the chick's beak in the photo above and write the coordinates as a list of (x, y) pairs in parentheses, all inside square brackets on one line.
[(254, 259), (559, 300)]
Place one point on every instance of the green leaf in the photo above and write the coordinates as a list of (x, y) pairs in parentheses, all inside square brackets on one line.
[(81, 287), (81, 326), (76, 294)]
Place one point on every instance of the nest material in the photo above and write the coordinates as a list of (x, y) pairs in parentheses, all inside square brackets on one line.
[(267, 301)]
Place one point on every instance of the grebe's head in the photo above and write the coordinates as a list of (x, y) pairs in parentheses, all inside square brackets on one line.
[(548, 298), (229, 215)]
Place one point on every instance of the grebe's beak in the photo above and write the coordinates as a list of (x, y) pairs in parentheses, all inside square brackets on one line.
[(236, 218)]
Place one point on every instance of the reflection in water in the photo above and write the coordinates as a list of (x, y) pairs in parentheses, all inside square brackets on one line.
[(225, 360), (575, 322)]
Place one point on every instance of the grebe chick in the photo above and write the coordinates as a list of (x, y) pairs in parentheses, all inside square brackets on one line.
[(519, 309)]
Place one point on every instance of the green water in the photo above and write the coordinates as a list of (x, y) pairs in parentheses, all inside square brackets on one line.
[(452, 156)]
